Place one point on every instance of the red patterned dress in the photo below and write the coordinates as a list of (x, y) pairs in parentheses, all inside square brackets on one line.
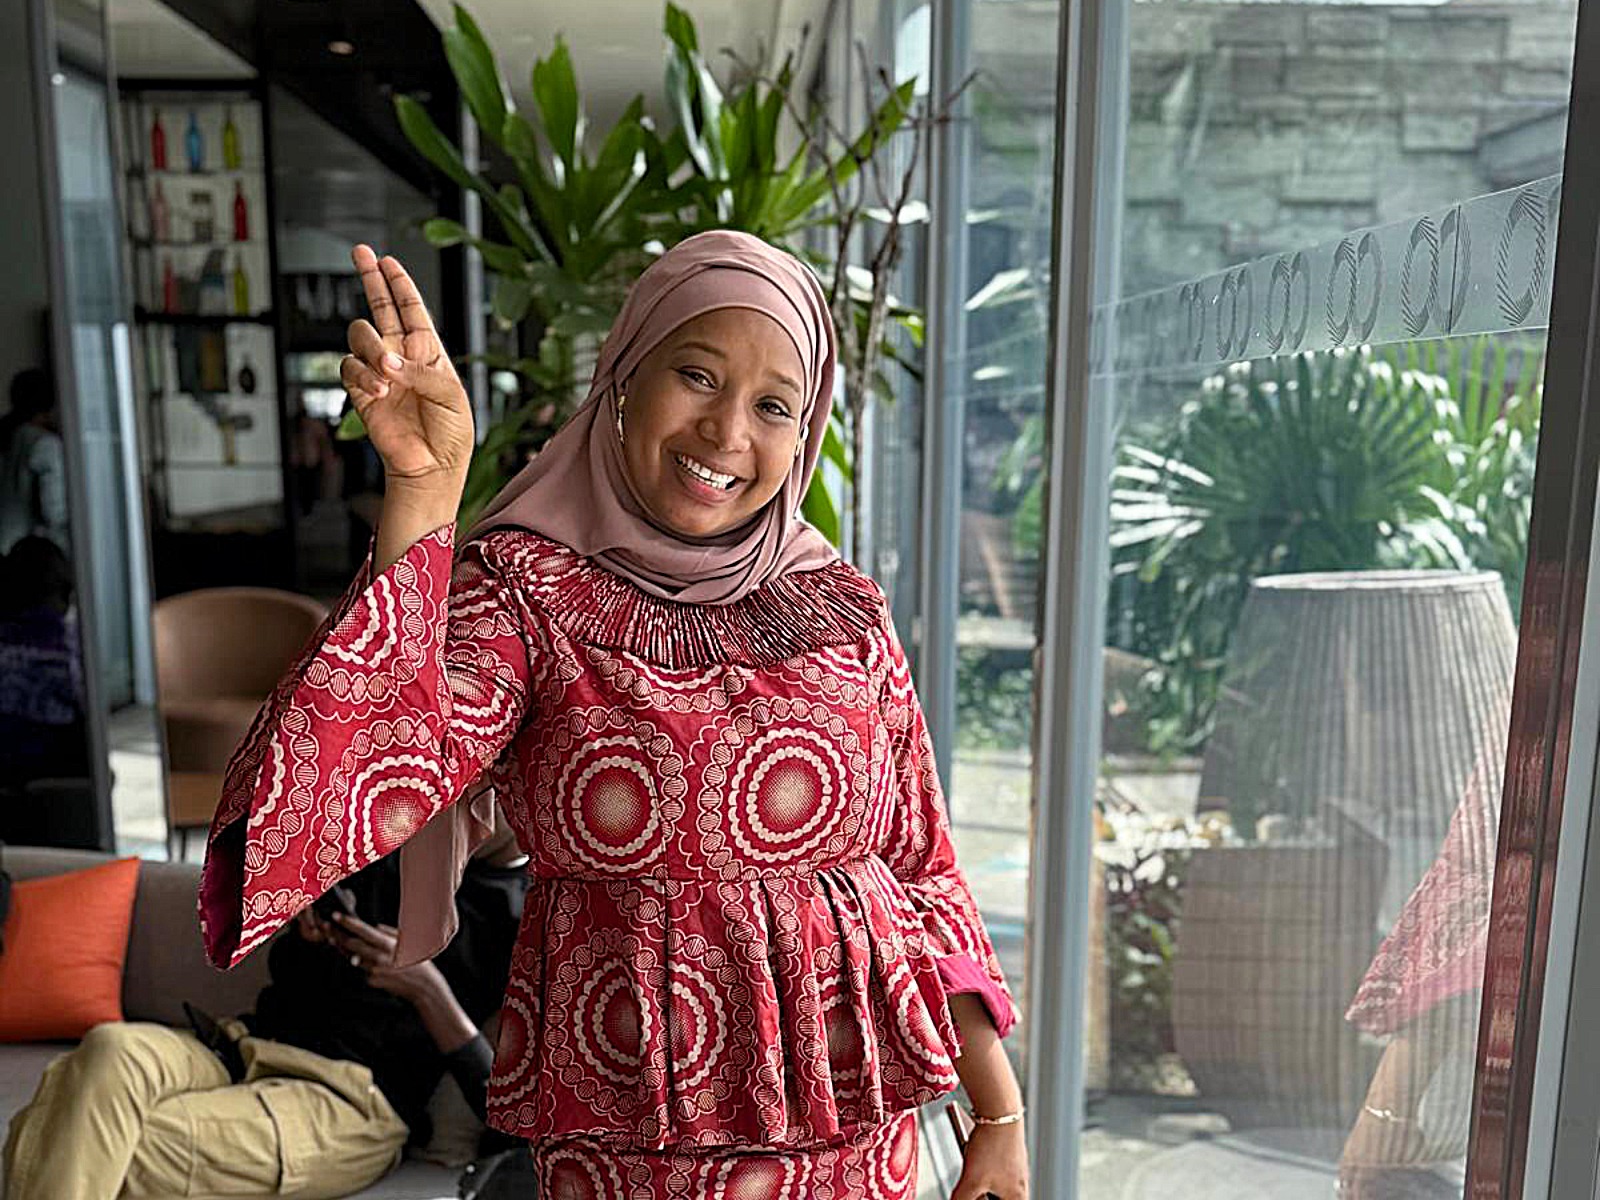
[(746, 915)]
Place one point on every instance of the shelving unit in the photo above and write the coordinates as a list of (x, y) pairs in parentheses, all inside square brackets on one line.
[(209, 361)]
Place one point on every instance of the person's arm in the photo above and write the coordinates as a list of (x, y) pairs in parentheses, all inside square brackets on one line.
[(996, 1155), (414, 685), (413, 406), (467, 1054), (919, 852), (1387, 1133)]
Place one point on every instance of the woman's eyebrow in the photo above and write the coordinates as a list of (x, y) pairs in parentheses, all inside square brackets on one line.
[(704, 347)]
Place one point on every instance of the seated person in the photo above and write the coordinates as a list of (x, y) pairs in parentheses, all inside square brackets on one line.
[(327, 1081), (41, 673)]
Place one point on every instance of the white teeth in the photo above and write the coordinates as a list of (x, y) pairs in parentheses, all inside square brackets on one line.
[(701, 471)]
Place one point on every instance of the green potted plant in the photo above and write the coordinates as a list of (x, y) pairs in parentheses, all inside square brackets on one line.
[(571, 219)]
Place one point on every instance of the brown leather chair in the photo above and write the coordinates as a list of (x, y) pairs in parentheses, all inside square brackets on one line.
[(219, 653)]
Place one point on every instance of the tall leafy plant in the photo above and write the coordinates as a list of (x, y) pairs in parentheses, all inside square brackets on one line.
[(1416, 455), (573, 218), (1419, 456)]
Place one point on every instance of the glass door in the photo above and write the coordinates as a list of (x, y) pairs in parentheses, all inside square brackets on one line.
[(1304, 281)]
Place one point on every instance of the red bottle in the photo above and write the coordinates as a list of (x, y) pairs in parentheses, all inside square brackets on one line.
[(241, 214), (169, 288), (158, 145)]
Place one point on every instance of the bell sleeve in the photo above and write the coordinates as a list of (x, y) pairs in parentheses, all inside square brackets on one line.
[(413, 686), (919, 852)]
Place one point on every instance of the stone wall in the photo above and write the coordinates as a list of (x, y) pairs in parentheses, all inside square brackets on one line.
[(1256, 128)]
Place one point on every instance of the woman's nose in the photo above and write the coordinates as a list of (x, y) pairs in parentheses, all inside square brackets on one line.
[(722, 425)]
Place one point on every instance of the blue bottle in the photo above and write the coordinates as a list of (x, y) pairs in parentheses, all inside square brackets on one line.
[(194, 144)]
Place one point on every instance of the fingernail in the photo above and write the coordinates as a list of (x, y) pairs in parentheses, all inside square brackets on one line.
[(392, 361)]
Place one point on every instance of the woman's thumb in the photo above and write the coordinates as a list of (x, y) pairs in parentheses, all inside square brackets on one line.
[(423, 378)]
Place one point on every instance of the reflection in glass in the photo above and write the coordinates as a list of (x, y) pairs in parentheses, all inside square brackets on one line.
[(1326, 359)]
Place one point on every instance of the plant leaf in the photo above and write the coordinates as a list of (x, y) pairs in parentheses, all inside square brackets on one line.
[(819, 508), (351, 427), (477, 74), (442, 232), (555, 91), (512, 299)]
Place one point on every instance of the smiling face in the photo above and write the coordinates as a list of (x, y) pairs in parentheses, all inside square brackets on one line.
[(712, 419)]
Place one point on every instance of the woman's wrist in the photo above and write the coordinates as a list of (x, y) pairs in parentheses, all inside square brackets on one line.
[(435, 501), (997, 1120), (983, 1067), (410, 512)]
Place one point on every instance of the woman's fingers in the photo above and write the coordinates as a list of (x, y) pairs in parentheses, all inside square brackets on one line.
[(436, 385), (366, 343), (385, 313), (414, 316), (361, 381)]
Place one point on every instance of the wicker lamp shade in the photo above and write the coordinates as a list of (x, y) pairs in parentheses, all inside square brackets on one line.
[(1370, 690), (1357, 707)]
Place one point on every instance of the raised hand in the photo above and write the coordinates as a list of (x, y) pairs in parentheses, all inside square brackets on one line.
[(403, 384)]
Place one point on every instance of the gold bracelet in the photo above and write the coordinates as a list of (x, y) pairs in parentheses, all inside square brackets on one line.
[(1385, 1114), (1008, 1119)]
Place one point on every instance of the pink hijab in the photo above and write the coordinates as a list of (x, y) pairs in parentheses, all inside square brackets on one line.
[(577, 492)]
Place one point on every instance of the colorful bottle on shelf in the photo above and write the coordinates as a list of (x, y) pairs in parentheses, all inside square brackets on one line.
[(160, 215), (169, 286), (230, 142), (195, 143), (241, 214), (158, 144), (241, 287)]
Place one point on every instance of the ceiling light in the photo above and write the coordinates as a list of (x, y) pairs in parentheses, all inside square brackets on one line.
[(341, 47)]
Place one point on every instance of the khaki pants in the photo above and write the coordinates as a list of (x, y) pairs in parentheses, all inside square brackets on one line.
[(141, 1110)]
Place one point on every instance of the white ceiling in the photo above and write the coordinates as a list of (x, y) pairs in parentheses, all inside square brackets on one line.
[(618, 47), (149, 39)]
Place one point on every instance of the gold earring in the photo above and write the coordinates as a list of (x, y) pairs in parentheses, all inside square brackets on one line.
[(622, 399), (800, 446)]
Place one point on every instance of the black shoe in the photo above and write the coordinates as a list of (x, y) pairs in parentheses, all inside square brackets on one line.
[(504, 1176)]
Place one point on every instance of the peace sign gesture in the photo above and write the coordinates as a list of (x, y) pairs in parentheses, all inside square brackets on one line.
[(403, 383)]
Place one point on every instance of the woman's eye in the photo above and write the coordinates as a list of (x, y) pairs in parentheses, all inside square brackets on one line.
[(698, 378), (774, 408)]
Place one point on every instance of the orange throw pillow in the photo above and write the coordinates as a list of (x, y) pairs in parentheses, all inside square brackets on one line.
[(66, 941)]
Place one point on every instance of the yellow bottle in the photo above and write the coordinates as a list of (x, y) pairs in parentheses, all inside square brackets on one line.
[(241, 287)]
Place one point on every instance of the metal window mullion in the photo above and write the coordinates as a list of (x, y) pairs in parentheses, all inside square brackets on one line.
[(944, 393), (42, 56), (1073, 598)]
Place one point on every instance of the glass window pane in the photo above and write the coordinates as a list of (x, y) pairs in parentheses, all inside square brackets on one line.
[(1335, 229), (1005, 165)]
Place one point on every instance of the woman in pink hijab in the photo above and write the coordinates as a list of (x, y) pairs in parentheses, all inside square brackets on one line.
[(748, 954)]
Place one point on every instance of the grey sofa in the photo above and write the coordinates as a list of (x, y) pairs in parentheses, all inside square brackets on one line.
[(166, 966)]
